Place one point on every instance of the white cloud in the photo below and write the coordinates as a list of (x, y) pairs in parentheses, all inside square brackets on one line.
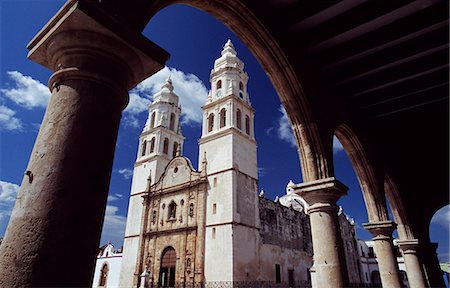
[(187, 86), (126, 173), (26, 91), (442, 217), (337, 146), (8, 191), (137, 104), (8, 121), (113, 226), (114, 197), (8, 194), (284, 128)]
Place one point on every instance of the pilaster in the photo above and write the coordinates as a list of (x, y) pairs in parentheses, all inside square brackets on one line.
[(62, 206), (329, 262)]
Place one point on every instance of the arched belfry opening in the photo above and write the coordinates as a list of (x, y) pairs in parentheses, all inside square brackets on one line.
[(168, 267)]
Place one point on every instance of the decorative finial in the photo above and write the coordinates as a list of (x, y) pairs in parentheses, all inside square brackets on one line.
[(228, 48), (168, 84), (261, 194), (276, 199)]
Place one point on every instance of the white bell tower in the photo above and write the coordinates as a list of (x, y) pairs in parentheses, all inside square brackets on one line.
[(160, 141), (228, 143)]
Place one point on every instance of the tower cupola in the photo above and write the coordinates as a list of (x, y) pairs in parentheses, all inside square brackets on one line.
[(228, 76)]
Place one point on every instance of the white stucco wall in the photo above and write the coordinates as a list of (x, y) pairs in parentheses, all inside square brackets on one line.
[(114, 264)]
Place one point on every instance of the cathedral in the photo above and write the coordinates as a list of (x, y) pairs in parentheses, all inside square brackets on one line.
[(208, 225)]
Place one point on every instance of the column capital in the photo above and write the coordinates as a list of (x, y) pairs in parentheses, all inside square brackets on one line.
[(381, 230), (408, 246), (322, 191), (81, 36)]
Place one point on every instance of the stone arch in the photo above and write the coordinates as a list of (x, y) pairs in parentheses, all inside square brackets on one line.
[(397, 208), (370, 187), (314, 160)]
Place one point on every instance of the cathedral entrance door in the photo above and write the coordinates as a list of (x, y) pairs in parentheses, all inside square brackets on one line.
[(167, 270)]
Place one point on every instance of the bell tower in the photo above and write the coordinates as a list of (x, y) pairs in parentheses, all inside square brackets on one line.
[(160, 141), (229, 145)]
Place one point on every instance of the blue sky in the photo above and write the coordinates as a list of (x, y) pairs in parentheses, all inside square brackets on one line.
[(194, 40)]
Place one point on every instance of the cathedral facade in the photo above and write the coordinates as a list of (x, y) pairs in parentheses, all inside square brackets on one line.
[(208, 225)]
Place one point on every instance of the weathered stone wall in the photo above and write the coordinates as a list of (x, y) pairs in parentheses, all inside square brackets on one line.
[(285, 238), (352, 258), (283, 226)]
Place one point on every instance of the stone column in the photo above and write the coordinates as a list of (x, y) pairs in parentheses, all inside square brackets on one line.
[(412, 263), (54, 231), (329, 262), (384, 250)]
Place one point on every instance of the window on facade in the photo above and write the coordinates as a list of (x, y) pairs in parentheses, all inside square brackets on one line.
[(371, 253), (291, 277), (214, 233), (172, 210), (238, 119), (172, 122), (166, 146), (215, 182), (277, 273), (247, 124), (152, 145), (154, 216), (175, 149), (144, 147), (191, 210), (241, 86), (219, 84), (214, 208), (223, 117), (103, 275), (152, 120), (210, 122)]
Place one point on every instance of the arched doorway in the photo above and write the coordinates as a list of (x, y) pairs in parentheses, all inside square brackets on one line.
[(167, 270)]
